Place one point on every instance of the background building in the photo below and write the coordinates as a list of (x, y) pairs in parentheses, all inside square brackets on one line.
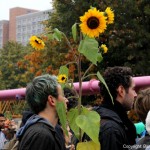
[(13, 13), (22, 23), (4, 32), (30, 24)]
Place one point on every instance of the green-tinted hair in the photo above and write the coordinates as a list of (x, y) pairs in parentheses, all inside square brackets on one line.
[(39, 89)]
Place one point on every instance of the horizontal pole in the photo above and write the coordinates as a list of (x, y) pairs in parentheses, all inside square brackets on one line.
[(88, 88)]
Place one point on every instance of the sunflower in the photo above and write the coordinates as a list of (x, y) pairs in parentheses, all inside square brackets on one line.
[(36, 43), (62, 78), (104, 48), (93, 23), (110, 15)]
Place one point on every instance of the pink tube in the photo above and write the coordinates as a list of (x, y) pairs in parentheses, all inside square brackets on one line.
[(88, 88)]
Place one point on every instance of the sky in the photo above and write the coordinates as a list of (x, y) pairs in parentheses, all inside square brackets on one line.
[(5, 5)]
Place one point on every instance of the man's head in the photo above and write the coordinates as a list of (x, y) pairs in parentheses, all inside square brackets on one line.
[(142, 104), (43, 90), (2, 121), (71, 95), (121, 85)]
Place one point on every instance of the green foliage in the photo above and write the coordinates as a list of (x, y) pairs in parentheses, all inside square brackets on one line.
[(63, 70), (128, 43), (72, 115), (90, 145), (127, 40), (62, 115), (90, 123), (11, 76), (57, 34), (100, 77), (74, 32), (89, 48)]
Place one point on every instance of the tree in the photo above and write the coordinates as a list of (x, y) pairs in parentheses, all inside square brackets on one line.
[(11, 76), (128, 44)]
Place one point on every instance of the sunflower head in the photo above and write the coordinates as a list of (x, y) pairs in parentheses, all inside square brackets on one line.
[(62, 78), (110, 15), (104, 48), (93, 23), (36, 43)]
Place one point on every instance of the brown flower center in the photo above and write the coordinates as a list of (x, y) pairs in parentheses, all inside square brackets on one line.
[(63, 78), (93, 22), (37, 41)]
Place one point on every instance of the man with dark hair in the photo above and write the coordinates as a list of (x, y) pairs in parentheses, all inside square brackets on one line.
[(39, 133), (117, 132), (71, 95), (2, 135)]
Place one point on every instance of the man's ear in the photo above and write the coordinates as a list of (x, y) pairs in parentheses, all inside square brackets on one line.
[(51, 100), (120, 91)]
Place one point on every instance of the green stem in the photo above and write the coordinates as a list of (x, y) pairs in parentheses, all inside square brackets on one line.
[(87, 70), (72, 97), (73, 62), (80, 92), (67, 41), (88, 76)]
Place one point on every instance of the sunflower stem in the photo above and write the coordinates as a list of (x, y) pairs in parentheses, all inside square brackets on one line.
[(73, 62), (80, 92), (67, 41), (87, 71), (94, 74)]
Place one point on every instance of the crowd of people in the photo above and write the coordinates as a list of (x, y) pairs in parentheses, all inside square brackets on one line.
[(40, 128)]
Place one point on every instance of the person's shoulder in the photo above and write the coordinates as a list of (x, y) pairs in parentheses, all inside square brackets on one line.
[(110, 126), (40, 129)]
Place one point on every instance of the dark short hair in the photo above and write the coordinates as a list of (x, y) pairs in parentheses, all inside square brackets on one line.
[(142, 104), (39, 89), (114, 77), (71, 95)]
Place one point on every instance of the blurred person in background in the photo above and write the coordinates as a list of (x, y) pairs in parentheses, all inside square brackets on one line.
[(2, 135), (142, 108)]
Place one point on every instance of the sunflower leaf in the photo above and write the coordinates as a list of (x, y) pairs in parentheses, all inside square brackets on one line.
[(61, 110), (57, 34), (103, 81), (99, 57), (89, 48), (74, 31), (64, 70), (90, 124), (72, 115), (89, 145)]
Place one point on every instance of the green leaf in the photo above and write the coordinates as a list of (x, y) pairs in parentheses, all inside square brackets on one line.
[(90, 145), (72, 115), (64, 70), (57, 34), (74, 31), (61, 110), (90, 124), (103, 81), (89, 48), (50, 36), (99, 57)]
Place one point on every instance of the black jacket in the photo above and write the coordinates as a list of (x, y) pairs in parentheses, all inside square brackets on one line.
[(117, 132), (38, 134)]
